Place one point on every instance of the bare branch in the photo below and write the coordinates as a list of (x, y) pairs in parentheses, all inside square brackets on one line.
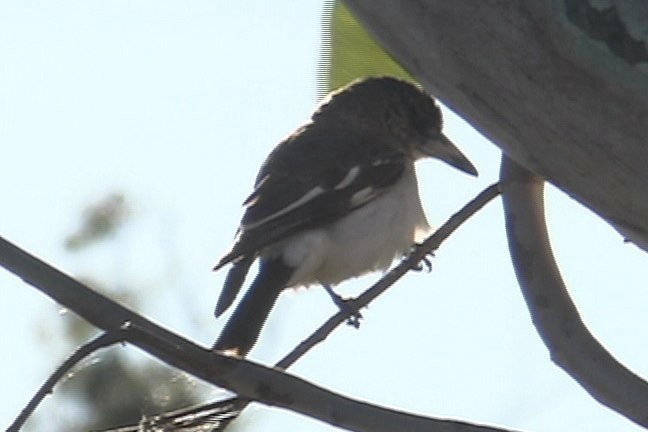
[(248, 379), (101, 341), (554, 315), (431, 244), (532, 78)]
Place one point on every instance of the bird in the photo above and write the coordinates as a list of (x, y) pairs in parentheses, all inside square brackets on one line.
[(337, 199)]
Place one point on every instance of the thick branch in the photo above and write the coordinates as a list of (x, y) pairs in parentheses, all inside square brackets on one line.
[(562, 98), (250, 380), (570, 343)]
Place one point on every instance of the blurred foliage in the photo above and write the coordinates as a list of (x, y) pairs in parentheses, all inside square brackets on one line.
[(112, 387), (113, 390), (348, 52), (100, 220)]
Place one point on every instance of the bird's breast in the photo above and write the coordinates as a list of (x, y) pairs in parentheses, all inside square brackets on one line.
[(367, 239)]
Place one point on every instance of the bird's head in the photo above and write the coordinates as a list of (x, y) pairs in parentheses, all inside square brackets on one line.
[(415, 116), (392, 106)]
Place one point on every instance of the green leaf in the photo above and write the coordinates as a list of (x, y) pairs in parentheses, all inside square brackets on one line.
[(349, 52)]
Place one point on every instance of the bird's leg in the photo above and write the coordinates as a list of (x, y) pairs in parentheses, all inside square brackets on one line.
[(425, 263), (343, 305)]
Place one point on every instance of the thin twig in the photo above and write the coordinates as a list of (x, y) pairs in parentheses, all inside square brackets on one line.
[(431, 244), (101, 341)]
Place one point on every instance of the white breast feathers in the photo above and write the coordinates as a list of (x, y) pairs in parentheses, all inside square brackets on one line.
[(368, 239)]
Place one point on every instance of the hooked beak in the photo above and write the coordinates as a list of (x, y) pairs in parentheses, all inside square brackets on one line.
[(443, 149)]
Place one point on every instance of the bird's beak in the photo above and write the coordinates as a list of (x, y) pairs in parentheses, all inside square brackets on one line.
[(444, 149)]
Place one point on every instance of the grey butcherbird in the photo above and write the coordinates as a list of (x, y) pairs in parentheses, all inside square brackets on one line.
[(336, 199)]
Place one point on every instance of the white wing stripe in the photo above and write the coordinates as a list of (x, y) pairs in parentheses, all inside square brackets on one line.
[(362, 196), (308, 196), (348, 179)]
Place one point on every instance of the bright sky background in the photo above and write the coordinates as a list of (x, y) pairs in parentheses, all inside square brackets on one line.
[(176, 104)]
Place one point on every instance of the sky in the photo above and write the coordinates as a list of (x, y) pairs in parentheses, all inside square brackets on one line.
[(175, 105)]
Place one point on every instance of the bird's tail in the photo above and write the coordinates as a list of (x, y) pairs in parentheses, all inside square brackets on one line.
[(244, 326), (233, 283)]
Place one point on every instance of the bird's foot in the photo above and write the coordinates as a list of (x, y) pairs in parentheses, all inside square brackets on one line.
[(345, 306), (426, 262)]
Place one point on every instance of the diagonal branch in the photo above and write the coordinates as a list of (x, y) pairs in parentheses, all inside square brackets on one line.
[(430, 244), (250, 380), (554, 315)]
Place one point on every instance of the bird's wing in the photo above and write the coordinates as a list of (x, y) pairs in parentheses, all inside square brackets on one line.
[(288, 199), (314, 177)]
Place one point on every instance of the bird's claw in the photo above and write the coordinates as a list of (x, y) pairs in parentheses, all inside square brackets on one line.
[(426, 262), (345, 306), (354, 316)]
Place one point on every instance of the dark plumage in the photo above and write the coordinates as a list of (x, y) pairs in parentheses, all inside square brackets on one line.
[(349, 169)]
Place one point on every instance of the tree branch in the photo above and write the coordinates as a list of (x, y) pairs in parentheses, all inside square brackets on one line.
[(430, 245), (250, 380), (533, 79), (101, 341), (554, 315)]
